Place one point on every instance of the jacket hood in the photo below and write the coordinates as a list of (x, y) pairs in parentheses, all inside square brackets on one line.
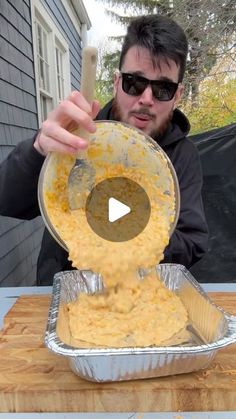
[(178, 128)]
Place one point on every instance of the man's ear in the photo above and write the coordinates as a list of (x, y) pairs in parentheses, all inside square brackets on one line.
[(178, 94), (115, 81)]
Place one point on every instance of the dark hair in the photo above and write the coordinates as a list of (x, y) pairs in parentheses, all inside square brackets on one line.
[(162, 36)]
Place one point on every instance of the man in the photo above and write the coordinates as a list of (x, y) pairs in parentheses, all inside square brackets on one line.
[(147, 90)]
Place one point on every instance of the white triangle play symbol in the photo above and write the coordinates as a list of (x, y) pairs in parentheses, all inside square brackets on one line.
[(116, 210)]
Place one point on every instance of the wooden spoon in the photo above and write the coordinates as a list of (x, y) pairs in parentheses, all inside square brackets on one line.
[(82, 175)]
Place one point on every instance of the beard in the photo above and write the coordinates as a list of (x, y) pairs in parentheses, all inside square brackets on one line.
[(156, 132)]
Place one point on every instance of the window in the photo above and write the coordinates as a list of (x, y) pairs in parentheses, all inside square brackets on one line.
[(43, 65), (42, 58), (60, 73), (52, 67)]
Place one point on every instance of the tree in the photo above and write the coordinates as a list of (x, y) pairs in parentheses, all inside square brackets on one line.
[(104, 78), (216, 105)]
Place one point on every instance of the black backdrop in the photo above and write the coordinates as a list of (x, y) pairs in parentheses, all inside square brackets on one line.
[(217, 150)]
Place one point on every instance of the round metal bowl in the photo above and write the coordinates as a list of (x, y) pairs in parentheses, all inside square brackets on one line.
[(117, 143)]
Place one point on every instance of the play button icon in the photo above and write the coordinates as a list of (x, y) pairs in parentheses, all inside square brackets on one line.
[(118, 209)]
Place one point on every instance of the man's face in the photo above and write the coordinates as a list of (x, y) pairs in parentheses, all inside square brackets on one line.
[(144, 111)]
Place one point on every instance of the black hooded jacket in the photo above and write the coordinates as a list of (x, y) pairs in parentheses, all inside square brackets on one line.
[(18, 197)]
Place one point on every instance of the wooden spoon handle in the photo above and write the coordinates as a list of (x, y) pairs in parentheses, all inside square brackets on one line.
[(88, 73), (88, 78)]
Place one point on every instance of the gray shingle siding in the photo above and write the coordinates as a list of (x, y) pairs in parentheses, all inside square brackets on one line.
[(17, 85), (20, 240), (18, 121)]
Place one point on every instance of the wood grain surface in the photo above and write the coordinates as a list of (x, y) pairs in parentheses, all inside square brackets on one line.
[(32, 379)]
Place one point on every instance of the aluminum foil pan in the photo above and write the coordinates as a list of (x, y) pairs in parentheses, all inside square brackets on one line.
[(210, 329)]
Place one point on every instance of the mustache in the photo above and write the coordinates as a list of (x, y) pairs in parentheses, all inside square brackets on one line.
[(143, 111)]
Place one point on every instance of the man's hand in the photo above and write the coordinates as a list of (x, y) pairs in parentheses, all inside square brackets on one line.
[(55, 133)]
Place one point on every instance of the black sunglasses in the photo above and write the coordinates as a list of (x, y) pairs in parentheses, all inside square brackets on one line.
[(135, 85)]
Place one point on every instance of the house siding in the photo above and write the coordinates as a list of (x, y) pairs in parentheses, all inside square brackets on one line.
[(20, 240), (57, 11)]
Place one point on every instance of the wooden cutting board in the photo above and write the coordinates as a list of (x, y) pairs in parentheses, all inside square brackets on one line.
[(32, 379)]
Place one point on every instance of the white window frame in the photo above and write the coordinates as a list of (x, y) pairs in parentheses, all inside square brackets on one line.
[(54, 40)]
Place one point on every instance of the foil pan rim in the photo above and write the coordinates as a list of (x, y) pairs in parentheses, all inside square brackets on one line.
[(54, 344)]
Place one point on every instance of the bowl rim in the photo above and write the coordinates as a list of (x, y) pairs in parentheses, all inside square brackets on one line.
[(149, 139)]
